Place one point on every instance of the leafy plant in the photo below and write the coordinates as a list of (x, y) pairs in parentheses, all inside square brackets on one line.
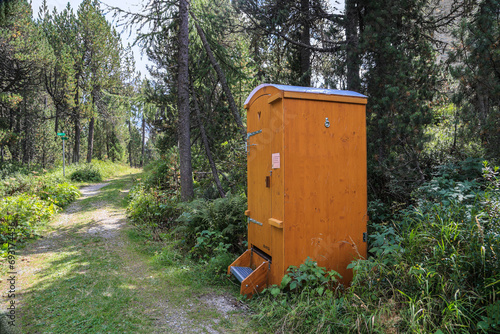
[(152, 210), (491, 321), (21, 216), (60, 194), (209, 244), (223, 215), (86, 173), (309, 276)]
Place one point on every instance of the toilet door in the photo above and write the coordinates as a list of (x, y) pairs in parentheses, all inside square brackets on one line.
[(259, 137)]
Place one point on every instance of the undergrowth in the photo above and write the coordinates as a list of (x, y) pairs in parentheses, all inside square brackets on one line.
[(29, 197), (209, 232), (433, 264), (434, 268)]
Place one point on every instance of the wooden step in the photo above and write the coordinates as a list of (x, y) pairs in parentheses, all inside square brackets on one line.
[(252, 271)]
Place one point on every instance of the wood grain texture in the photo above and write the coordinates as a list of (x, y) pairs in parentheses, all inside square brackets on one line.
[(316, 204), (242, 261), (325, 183), (324, 97), (275, 222), (256, 281)]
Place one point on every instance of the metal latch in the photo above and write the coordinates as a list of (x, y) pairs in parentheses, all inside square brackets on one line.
[(327, 123), (250, 135), (254, 221)]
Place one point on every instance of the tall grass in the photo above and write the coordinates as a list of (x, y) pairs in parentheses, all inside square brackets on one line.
[(435, 268)]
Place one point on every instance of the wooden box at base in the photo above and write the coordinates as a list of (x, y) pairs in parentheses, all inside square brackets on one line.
[(307, 178)]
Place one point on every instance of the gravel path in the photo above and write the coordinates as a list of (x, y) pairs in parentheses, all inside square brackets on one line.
[(89, 219)]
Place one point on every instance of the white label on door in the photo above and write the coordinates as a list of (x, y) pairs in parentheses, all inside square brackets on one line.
[(276, 160)]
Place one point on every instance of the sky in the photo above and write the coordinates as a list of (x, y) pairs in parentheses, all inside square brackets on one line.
[(130, 5)]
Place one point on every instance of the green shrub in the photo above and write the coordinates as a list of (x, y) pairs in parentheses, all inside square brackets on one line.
[(152, 210), (309, 276), (218, 264), (60, 194), (18, 183), (86, 173), (440, 261), (435, 268), (21, 216), (163, 174), (223, 215), (10, 168), (209, 244)]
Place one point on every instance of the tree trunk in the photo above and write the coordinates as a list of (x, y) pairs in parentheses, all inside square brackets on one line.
[(352, 39), (76, 147), (56, 125), (130, 143), (76, 122), (15, 148), (204, 138), (183, 104), (90, 147), (143, 140), (107, 144), (305, 38), (27, 131), (222, 78)]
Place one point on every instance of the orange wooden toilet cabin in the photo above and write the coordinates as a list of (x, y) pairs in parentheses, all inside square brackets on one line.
[(306, 160)]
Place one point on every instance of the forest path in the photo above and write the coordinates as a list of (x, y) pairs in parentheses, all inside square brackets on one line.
[(88, 275)]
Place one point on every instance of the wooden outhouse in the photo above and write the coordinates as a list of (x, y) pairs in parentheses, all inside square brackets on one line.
[(306, 151)]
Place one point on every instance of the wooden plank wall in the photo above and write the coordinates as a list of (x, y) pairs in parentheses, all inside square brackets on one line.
[(325, 183)]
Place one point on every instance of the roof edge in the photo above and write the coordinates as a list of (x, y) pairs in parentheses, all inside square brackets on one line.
[(311, 90)]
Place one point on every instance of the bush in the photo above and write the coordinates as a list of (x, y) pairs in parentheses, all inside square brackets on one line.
[(441, 258), (152, 210), (209, 244), (435, 269), (224, 216), (311, 277), (18, 183), (86, 173), (60, 194), (21, 216)]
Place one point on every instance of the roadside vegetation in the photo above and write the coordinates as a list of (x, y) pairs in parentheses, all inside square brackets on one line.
[(30, 197), (434, 267), (433, 263)]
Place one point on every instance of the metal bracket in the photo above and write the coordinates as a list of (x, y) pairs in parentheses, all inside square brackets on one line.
[(365, 237), (253, 133), (250, 135), (254, 221)]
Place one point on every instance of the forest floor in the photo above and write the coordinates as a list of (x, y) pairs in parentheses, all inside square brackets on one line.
[(88, 274)]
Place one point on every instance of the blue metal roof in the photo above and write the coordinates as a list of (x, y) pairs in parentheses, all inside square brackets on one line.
[(306, 90)]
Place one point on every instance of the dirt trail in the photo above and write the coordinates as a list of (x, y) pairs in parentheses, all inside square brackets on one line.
[(87, 252)]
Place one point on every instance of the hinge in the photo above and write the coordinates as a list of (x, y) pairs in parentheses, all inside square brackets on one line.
[(365, 236), (250, 135)]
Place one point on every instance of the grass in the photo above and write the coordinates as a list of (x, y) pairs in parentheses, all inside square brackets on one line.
[(76, 281)]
